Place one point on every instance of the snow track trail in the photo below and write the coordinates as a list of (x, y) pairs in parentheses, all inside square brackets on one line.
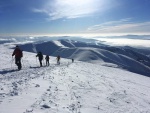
[(68, 89)]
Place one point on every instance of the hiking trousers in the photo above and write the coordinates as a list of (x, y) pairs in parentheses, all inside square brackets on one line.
[(18, 62)]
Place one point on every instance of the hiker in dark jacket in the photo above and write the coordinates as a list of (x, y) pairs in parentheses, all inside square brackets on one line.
[(72, 60), (40, 56), (18, 55), (47, 60), (58, 60)]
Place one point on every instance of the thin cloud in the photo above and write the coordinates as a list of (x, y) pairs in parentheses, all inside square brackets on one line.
[(109, 24), (58, 9), (121, 26)]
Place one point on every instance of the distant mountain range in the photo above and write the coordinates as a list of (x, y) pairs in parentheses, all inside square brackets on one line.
[(129, 58)]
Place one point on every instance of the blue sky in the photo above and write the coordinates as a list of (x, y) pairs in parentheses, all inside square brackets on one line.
[(96, 17)]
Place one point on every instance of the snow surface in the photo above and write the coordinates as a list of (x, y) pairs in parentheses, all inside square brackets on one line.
[(78, 87)]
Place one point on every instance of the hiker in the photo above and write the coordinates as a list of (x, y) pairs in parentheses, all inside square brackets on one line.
[(18, 54), (72, 60), (58, 60), (47, 60), (40, 55)]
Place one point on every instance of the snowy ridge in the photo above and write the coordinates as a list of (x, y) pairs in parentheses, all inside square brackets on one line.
[(78, 87), (58, 43), (125, 57)]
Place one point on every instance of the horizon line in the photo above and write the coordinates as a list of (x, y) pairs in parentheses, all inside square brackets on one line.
[(73, 34)]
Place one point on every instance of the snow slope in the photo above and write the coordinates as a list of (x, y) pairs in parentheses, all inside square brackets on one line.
[(78, 87)]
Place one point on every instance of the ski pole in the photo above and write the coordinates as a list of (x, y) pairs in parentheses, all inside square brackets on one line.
[(22, 62), (36, 60), (12, 61)]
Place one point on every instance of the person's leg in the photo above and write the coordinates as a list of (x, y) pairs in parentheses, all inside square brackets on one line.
[(48, 62), (18, 63), (16, 60), (41, 63), (58, 62)]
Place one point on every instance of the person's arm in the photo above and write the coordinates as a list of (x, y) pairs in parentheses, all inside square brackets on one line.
[(37, 55), (14, 52), (21, 53)]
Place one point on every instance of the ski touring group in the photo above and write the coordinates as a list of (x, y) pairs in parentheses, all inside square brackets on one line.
[(19, 54)]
